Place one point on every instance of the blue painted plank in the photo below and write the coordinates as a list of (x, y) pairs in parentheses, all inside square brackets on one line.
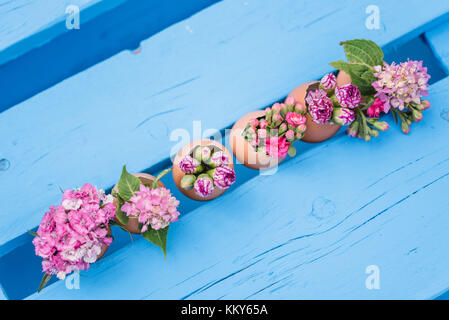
[(44, 52), (124, 109), (438, 39), (312, 234), (27, 24)]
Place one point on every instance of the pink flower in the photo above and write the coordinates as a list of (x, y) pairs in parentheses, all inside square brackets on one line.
[(290, 101), (295, 119), (155, 208), (290, 135), (203, 186), (224, 177), (348, 96), (218, 159), (71, 235), (400, 85), (263, 124), (188, 165), (320, 106), (277, 147), (343, 116), (254, 123), (329, 81), (374, 110)]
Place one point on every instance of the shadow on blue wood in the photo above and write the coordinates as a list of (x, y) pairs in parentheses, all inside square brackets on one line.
[(122, 28)]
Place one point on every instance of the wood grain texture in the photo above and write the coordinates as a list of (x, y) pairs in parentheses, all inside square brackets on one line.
[(329, 213), (27, 24), (233, 57), (438, 41)]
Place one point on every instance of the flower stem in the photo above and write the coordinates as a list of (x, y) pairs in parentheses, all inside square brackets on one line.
[(163, 173)]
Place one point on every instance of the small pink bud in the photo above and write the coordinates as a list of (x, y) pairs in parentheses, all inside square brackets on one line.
[(290, 100), (290, 135), (301, 128), (254, 123), (300, 108), (299, 135), (263, 124), (277, 107), (277, 117)]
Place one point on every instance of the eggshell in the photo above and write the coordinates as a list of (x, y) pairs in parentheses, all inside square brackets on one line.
[(133, 221), (244, 152), (343, 78), (178, 174), (315, 132)]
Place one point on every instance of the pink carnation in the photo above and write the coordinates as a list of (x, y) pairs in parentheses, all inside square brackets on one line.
[(277, 147), (203, 186), (188, 164), (329, 81), (374, 110), (320, 106), (348, 96), (224, 177)]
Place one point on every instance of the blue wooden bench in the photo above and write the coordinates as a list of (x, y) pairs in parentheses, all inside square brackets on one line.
[(227, 60)]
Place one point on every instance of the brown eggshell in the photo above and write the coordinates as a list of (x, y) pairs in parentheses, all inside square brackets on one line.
[(315, 132), (178, 174), (133, 221), (343, 79), (244, 152)]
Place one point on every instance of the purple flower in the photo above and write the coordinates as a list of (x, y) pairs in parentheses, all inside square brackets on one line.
[(224, 177), (203, 186), (218, 159), (343, 116), (188, 165), (400, 85), (329, 81), (320, 106), (348, 96)]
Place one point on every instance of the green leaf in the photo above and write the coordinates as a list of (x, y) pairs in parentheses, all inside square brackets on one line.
[(44, 281), (361, 75), (127, 185), (33, 233), (121, 216), (157, 237), (363, 51)]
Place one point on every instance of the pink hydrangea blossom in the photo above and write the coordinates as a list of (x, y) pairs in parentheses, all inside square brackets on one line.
[(277, 147), (224, 177), (72, 235), (320, 106), (401, 84), (155, 208)]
